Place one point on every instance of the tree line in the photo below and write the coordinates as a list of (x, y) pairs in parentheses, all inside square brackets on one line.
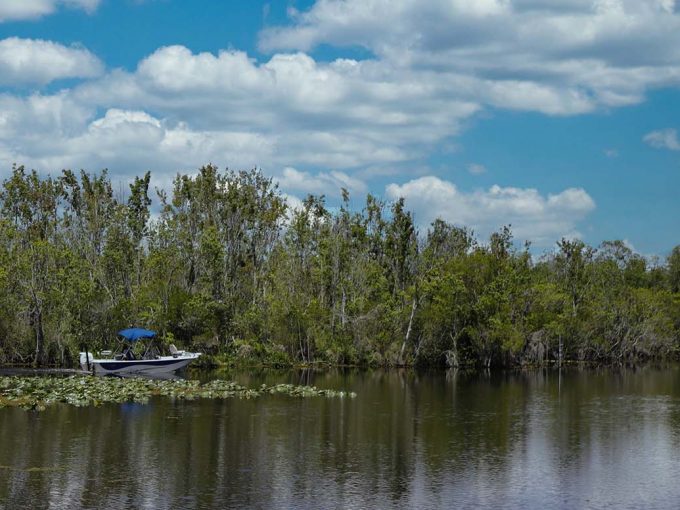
[(225, 266)]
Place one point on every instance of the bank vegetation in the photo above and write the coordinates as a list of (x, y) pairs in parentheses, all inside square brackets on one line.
[(226, 267)]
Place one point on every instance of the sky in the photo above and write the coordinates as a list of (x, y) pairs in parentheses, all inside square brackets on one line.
[(558, 117)]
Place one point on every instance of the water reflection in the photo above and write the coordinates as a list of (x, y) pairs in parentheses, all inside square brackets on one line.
[(582, 438)]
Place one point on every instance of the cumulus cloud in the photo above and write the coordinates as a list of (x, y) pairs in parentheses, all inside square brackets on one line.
[(289, 89), (321, 183), (179, 110), (11, 10), (433, 65), (293, 202), (36, 61), (29, 124), (663, 139), (48, 134), (288, 111), (533, 216), (562, 57)]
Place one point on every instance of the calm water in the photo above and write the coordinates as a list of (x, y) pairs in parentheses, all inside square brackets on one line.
[(537, 439)]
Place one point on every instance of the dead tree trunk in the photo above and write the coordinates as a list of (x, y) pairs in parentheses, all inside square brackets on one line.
[(408, 330)]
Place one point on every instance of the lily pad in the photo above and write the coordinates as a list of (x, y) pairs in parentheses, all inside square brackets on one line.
[(37, 393)]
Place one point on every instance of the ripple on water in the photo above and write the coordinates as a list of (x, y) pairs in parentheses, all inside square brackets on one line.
[(580, 440)]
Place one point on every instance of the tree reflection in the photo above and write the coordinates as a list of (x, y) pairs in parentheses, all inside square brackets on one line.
[(532, 438)]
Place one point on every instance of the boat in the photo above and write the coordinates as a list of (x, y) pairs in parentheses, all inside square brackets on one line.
[(126, 362)]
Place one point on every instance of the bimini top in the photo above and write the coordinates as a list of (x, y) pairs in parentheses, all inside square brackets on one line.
[(134, 334)]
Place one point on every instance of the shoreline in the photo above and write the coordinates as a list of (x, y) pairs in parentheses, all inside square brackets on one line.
[(23, 369)]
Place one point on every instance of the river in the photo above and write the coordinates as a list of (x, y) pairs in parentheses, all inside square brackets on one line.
[(575, 438)]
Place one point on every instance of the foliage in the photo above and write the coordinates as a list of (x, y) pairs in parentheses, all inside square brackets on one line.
[(225, 267)]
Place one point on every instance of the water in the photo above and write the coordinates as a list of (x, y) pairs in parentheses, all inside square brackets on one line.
[(534, 439)]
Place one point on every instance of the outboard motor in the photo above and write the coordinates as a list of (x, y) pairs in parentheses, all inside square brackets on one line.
[(86, 359)]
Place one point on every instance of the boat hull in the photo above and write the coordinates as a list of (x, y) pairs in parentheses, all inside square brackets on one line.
[(162, 365)]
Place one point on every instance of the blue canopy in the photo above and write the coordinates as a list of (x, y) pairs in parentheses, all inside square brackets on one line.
[(134, 334)]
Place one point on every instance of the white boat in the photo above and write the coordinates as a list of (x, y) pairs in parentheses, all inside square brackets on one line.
[(128, 363)]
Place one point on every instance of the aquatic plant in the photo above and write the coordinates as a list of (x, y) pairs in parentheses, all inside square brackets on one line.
[(36, 393)]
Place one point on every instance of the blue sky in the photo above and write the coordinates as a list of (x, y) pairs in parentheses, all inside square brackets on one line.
[(560, 118)]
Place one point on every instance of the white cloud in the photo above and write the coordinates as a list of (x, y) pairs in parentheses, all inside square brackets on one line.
[(364, 101), (434, 65), (52, 132), (533, 216), (31, 123), (115, 118), (663, 139), (37, 61), (25, 9), (31, 9), (321, 183), (288, 111), (611, 153), (294, 203), (562, 57)]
